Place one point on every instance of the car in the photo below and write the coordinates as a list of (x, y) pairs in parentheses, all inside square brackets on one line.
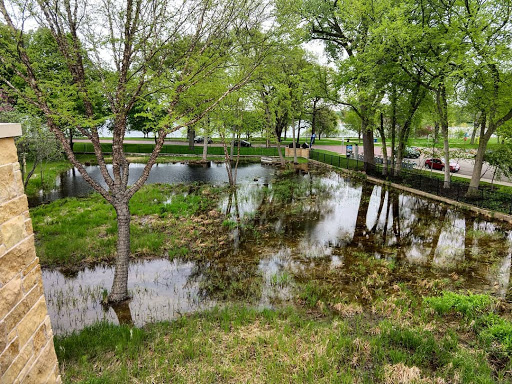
[(200, 139), (440, 165), (411, 153), (243, 143)]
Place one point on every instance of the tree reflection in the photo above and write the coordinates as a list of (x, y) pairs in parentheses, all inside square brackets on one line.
[(123, 312)]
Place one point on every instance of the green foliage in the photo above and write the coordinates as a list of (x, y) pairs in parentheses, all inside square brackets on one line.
[(419, 347), (185, 205), (311, 293), (500, 157), (327, 122), (469, 305), (494, 328)]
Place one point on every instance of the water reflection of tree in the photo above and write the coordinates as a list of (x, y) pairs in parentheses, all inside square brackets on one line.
[(232, 278), (290, 202), (123, 312)]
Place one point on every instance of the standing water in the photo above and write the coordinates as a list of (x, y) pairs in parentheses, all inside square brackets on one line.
[(354, 237)]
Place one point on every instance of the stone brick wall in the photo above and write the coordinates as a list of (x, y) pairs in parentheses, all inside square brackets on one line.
[(27, 354)]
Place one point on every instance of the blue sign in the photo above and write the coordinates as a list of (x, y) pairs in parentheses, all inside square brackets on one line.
[(349, 150)]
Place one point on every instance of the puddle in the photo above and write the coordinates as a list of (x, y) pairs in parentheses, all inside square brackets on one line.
[(160, 290), (351, 236)]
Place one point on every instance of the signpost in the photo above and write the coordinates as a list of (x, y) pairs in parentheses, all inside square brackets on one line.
[(349, 150)]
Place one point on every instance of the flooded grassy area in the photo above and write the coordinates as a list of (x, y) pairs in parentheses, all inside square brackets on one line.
[(304, 275), (167, 220)]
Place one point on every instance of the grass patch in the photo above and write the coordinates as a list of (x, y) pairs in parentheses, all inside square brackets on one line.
[(468, 305), (73, 231), (239, 344)]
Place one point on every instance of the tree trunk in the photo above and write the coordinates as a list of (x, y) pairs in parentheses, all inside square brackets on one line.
[(399, 158), (294, 143), (369, 157), (119, 290), (479, 159), (475, 127), (280, 152), (191, 135), (384, 147), (71, 143), (205, 149), (298, 131), (393, 130), (447, 180), (442, 109), (227, 162)]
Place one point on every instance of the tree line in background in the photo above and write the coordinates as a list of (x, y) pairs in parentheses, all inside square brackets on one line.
[(237, 68), (400, 64)]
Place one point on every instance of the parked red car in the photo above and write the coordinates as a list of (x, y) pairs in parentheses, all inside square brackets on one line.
[(439, 165)]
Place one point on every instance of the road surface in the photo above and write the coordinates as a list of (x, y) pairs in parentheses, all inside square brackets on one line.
[(466, 166)]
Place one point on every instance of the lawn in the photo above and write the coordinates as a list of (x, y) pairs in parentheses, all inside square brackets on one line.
[(452, 338)]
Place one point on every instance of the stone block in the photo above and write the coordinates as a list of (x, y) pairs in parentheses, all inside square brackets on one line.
[(10, 130), (17, 259), (28, 227), (13, 208), (32, 321), (3, 336), (18, 181), (10, 295), (8, 153), (30, 267), (2, 252), (8, 187), (54, 377), (11, 335), (17, 365), (23, 307), (43, 367), (32, 278), (9, 355), (13, 231), (40, 338), (48, 325)]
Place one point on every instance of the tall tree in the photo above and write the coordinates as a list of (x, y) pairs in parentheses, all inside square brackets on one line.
[(487, 26), (432, 50), (348, 30), (116, 54), (280, 84)]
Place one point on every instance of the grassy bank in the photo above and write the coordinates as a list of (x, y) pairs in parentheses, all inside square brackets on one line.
[(167, 220), (448, 339)]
